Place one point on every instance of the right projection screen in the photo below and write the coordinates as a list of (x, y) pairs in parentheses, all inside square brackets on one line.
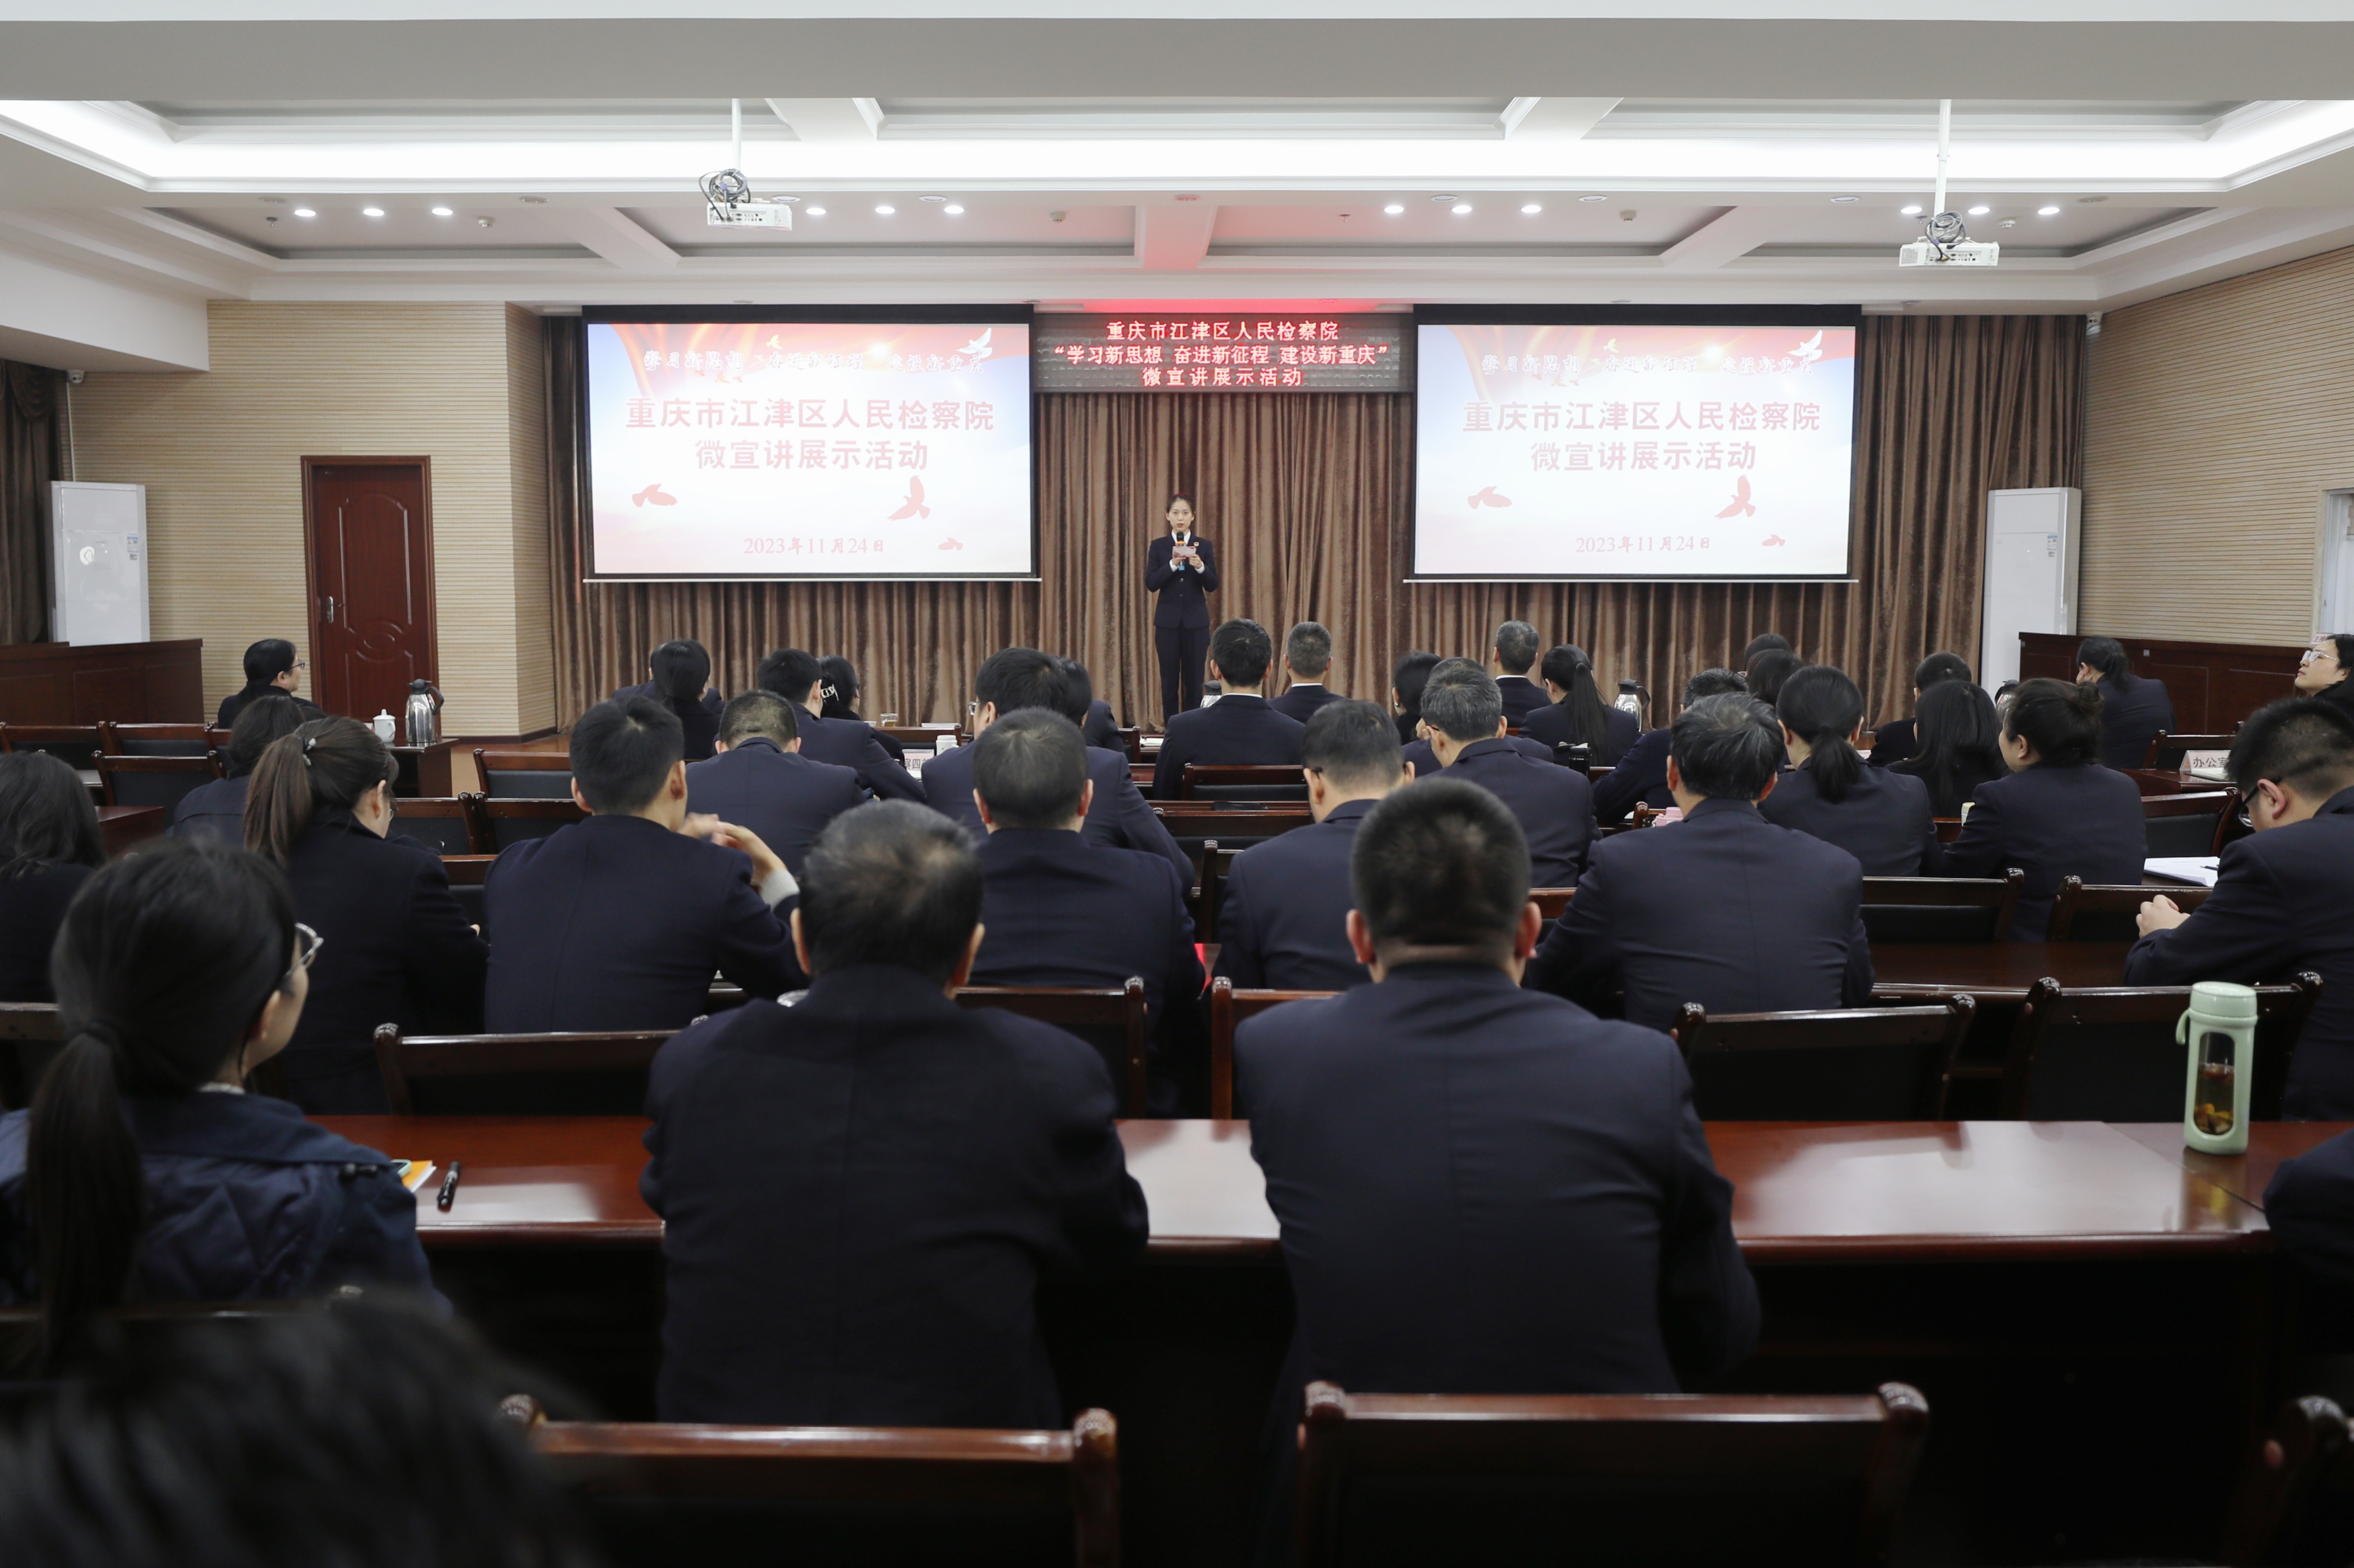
[(1692, 448)]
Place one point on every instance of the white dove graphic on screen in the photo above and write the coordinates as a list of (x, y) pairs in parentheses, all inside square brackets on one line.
[(978, 347), (1807, 353)]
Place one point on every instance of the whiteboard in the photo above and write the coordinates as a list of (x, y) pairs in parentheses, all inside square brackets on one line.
[(2030, 584), (98, 563)]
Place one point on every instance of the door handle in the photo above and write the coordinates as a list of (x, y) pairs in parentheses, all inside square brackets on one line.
[(331, 609)]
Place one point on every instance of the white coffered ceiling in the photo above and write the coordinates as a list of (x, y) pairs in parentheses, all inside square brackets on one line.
[(1657, 151)]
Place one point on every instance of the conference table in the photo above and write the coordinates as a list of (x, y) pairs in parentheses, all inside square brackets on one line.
[(2093, 1311)]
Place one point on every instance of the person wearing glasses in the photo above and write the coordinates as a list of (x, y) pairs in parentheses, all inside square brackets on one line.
[(144, 1169), (270, 666), (397, 946), (2322, 671)]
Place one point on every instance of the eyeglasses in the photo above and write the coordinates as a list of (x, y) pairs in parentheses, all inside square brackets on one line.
[(307, 944)]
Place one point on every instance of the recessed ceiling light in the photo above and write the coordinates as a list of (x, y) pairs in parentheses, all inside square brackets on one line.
[(1460, 208), (1980, 211), (884, 209), (1445, 200), (931, 198), (954, 209), (1842, 199), (304, 212), (1912, 211), (2047, 212), (816, 212), (371, 212), (1594, 199), (444, 212), (1530, 208), (2087, 201), (1395, 209)]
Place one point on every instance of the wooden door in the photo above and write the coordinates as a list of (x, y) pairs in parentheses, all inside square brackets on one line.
[(371, 566)]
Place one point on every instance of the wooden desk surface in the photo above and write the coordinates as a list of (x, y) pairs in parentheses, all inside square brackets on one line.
[(1992, 971), (1950, 1192), (122, 826), (2244, 1176)]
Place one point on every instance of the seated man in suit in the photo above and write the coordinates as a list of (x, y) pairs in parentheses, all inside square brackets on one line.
[(1481, 1189), (760, 779), (1283, 923), (1013, 679), (1899, 739), (1060, 910), (1101, 728), (798, 677), (678, 652), (2280, 904), (619, 922), (1307, 660), (1514, 652), (1640, 778), (1722, 908), (2133, 707), (1554, 804), (1239, 729), (1420, 760), (861, 1193)]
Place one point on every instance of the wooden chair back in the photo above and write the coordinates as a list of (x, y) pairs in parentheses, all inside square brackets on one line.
[(1228, 1008), (1236, 781), (1115, 1021), (501, 824), (1217, 865), (523, 775), (1908, 909), (152, 780), (76, 744), (442, 824), (2166, 751), (1552, 903), (2188, 824), (1869, 1063), (20, 1327), (2108, 1053), (662, 1494), (30, 1039), (1655, 1479), (1234, 825), (2081, 914), (154, 739), (1132, 740), (1948, 829), (516, 1075)]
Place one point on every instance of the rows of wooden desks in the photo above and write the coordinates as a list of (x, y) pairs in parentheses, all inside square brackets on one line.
[(2096, 1315)]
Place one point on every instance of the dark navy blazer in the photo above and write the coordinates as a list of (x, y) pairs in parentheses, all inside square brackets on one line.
[(1283, 924), (2050, 822), (1884, 821), (1119, 817), (787, 799), (2133, 710), (1302, 698), (2279, 908), (246, 1201), (618, 923), (1639, 778), (1550, 726), (32, 910), (1180, 590), (1722, 908), (1061, 911), (1233, 731), (1418, 755), (1894, 741), (1102, 728), (1522, 697), (2309, 1207), (213, 810), (1555, 805), (850, 743), (860, 1195), (712, 702)]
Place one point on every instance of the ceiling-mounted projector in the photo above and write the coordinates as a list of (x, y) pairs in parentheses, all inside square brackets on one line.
[(728, 201), (1944, 241)]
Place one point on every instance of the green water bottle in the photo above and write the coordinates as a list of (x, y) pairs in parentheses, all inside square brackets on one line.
[(2220, 1031)]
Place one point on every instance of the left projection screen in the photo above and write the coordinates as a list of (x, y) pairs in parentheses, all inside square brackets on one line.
[(809, 449)]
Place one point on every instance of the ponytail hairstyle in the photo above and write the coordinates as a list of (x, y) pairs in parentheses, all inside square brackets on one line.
[(681, 670), (1567, 666), (1821, 706), (327, 764), (45, 817), (839, 693), (162, 970), (2061, 719), (2106, 654), (1406, 682)]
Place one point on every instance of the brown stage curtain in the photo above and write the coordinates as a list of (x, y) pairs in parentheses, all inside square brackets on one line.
[(1308, 499), (28, 461)]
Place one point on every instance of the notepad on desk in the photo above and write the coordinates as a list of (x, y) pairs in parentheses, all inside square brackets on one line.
[(413, 1174), (2195, 869)]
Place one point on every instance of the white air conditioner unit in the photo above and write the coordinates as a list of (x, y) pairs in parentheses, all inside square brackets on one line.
[(1963, 253)]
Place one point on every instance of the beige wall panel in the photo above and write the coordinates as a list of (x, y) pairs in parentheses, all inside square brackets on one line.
[(534, 647)]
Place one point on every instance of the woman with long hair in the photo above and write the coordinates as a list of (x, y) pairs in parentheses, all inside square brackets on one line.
[(398, 949), (1406, 682), (49, 846), (1881, 818), (681, 673), (1958, 736), (142, 1168), (838, 698), (2058, 812), (216, 809), (1897, 740), (1578, 716)]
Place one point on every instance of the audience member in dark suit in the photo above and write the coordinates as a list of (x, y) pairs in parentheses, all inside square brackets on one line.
[(655, 688), (798, 677), (1237, 730), (861, 1193), (1181, 571), (1554, 806), (1959, 745), (1767, 670), (395, 945), (1420, 760), (760, 779), (838, 693), (1102, 730), (1897, 740), (1406, 682), (1283, 924), (681, 683), (1307, 660), (1514, 652), (619, 922), (271, 667), (49, 846), (1480, 1189), (1640, 776), (217, 809), (1762, 641), (1722, 908), (2323, 672), (2133, 709), (1060, 910), (2310, 1208), (1577, 715), (2280, 906), (1883, 819), (179, 970), (1016, 678), (2059, 812)]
